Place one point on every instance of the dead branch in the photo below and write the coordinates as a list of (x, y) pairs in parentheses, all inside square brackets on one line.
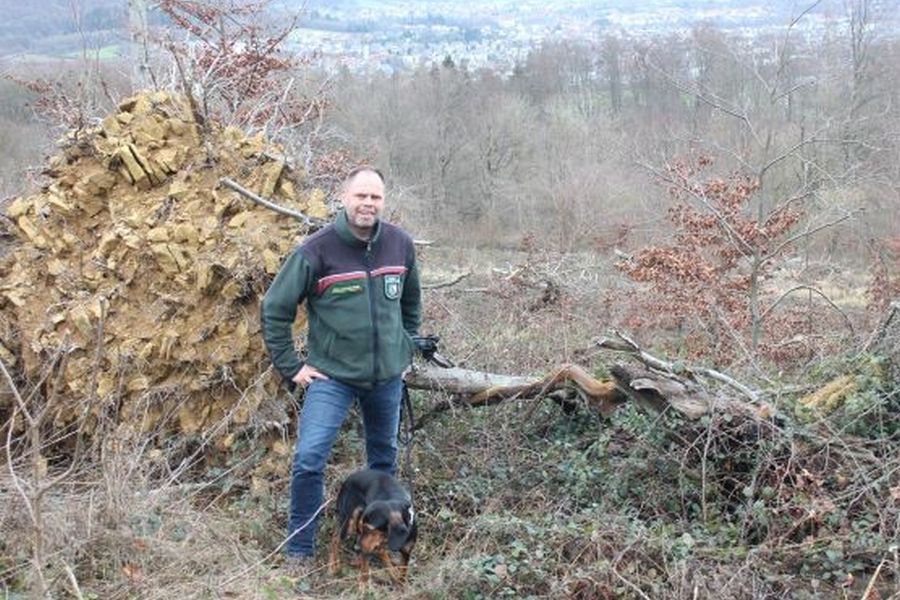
[(443, 284), (658, 392), (477, 388), (233, 185)]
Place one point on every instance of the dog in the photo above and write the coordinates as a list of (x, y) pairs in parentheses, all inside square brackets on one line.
[(376, 512)]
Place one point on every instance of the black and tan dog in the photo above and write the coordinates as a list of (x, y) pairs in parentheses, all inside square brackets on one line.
[(376, 513)]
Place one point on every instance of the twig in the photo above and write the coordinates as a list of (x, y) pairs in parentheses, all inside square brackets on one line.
[(98, 354), (738, 342), (894, 551), (704, 463), (20, 402), (774, 253), (277, 108), (278, 547), (629, 584), (740, 243), (782, 54), (185, 86), (73, 581), (790, 151), (233, 185), (32, 502), (443, 284), (872, 581), (713, 101), (9, 461)]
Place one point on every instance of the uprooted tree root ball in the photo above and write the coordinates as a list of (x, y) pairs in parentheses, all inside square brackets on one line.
[(132, 243)]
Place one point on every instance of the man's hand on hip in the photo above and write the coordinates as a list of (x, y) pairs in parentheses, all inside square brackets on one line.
[(306, 374)]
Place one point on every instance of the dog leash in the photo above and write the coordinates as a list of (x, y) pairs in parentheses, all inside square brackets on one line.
[(406, 436)]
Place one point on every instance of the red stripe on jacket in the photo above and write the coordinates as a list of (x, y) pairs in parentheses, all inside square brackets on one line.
[(326, 282)]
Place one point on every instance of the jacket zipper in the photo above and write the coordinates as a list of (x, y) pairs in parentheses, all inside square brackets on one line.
[(368, 263)]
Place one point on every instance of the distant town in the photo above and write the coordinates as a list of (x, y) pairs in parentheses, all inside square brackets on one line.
[(387, 36), (393, 36)]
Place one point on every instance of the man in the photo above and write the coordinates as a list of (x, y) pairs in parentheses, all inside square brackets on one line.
[(359, 279)]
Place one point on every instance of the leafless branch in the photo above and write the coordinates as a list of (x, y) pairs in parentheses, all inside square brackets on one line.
[(714, 103), (806, 233), (233, 185), (782, 62), (76, 589)]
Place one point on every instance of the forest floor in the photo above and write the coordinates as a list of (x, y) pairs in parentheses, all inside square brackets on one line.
[(519, 500)]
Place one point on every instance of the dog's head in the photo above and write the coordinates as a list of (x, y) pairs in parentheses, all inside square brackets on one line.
[(385, 521)]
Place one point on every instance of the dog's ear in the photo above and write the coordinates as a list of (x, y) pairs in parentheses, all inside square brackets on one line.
[(398, 529), (376, 515)]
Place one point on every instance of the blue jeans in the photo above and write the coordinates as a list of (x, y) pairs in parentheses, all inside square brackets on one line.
[(324, 410)]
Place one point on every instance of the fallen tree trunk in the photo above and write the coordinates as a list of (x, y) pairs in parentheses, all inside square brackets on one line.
[(477, 388), (649, 389)]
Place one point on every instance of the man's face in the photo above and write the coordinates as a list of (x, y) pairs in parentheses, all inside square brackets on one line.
[(363, 199)]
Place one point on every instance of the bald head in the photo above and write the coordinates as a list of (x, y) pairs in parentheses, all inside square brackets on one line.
[(362, 169), (363, 199)]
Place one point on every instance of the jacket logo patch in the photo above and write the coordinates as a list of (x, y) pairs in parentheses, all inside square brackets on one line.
[(392, 287)]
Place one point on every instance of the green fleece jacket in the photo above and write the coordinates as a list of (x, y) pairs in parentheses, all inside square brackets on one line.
[(363, 300)]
